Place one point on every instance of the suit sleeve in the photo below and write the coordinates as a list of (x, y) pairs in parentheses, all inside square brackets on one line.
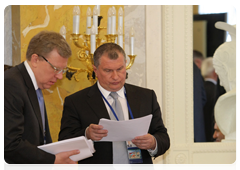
[(16, 148), (70, 124), (157, 128)]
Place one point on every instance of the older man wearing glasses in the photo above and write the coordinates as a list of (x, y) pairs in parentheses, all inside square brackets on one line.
[(25, 118)]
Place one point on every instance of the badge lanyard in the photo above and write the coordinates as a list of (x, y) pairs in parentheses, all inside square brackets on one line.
[(129, 109), (134, 153)]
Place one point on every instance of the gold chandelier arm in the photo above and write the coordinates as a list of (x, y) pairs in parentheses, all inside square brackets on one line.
[(83, 43), (75, 38), (90, 78), (78, 70), (81, 55), (132, 58)]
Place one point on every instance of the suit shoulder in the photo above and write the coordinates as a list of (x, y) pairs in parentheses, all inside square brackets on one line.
[(139, 91), (13, 76), (137, 87), (79, 93)]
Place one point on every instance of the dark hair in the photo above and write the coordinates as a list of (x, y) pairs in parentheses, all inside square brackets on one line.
[(197, 54), (46, 41), (111, 49)]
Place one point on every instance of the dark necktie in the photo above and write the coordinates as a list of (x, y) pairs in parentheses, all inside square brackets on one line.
[(120, 155), (41, 106)]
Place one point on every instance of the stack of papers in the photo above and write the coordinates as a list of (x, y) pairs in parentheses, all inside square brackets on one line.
[(79, 143), (117, 131), (125, 130)]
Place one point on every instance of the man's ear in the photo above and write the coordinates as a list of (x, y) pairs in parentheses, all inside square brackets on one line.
[(215, 75), (95, 69), (34, 60)]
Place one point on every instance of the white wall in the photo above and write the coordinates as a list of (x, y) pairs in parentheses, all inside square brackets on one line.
[(134, 16)]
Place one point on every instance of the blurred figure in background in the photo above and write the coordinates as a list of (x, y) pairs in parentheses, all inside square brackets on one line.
[(210, 85), (199, 97), (198, 58)]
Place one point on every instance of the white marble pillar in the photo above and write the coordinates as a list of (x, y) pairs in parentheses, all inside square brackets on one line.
[(8, 35)]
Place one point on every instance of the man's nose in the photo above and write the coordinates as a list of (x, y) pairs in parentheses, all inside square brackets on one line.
[(59, 76), (115, 75)]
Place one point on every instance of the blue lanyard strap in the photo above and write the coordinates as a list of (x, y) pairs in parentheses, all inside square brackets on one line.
[(129, 109)]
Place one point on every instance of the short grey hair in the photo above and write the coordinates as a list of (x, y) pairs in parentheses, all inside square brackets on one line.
[(111, 49), (46, 41), (207, 67)]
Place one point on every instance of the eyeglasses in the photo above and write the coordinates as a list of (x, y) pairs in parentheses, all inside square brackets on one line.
[(56, 70)]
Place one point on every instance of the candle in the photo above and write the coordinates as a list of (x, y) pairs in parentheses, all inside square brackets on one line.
[(93, 39), (113, 20), (120, 17), (98, 8), (109, 22), (89, 13), (76, 19), (63, 31), (120, 36), (95, 19), (132, 41)]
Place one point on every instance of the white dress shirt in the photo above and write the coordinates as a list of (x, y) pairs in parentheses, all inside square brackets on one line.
[(31, 74), (121, 98), (211, 80)]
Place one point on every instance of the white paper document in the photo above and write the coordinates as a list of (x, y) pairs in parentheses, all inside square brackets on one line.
[(79, 143), (125, 130)]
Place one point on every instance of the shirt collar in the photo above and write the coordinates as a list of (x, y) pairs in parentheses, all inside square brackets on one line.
[(211, 80), (31, 74), (106, 92)]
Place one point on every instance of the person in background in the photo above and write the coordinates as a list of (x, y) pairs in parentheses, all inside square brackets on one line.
[(25, 118), (198, 58), (210, 84), (112, 98), (199, 98)]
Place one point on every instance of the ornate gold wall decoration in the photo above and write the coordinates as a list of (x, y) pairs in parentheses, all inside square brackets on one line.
[(36, 18)]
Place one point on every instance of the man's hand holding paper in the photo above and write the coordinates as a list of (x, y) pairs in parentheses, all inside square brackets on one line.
[(95, 132), (145, 142), (127, 130)]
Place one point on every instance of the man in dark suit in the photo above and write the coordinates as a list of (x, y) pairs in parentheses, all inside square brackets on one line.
[(199, 98), (210, 85), (83, 110), (25, 118)]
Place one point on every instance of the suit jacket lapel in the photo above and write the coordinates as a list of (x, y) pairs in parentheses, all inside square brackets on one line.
[(96, 102), (133, 100), (31, 93)]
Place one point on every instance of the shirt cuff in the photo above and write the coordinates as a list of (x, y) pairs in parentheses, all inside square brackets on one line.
[(85, 132), (153, 152)]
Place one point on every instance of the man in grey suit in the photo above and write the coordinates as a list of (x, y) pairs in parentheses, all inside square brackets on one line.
[(25, 118), (83, 110)]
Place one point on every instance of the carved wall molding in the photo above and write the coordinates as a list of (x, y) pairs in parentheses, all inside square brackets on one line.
[(178, 99)]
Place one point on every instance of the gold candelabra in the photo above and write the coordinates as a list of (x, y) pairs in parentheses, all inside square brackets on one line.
[(84, 54)]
